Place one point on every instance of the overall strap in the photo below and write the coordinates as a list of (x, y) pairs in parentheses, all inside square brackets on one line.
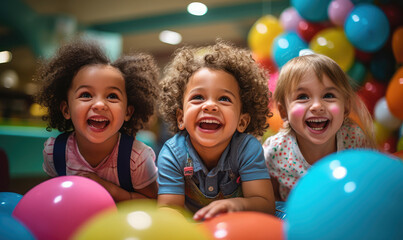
[(124, 173), (59, 153)]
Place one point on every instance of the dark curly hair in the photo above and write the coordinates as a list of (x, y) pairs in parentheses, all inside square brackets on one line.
[(238, 62), (55, 76)]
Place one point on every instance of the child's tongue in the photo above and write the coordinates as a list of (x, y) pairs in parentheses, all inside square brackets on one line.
[(98, 124), (209, 126)]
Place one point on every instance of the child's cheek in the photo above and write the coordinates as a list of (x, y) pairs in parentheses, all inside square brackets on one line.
[(335, 109), (297, 111)]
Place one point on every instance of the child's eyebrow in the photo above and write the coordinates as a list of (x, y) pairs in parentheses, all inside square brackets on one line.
[(88, 86)]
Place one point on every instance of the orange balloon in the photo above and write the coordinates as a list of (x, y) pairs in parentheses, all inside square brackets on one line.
[(394, 94), (245, 225), (397, 44), (275, 122)]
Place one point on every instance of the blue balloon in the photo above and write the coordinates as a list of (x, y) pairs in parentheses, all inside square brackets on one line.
[(352, 194), (8, 201), (312, 10), (287, 46), (12, 229), (367, 27)]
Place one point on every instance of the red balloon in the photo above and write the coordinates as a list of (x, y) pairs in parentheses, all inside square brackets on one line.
[(389, 146), (307, 30), (394, 14), (364, 57), (266, 62), (245, 225), (371, 92)]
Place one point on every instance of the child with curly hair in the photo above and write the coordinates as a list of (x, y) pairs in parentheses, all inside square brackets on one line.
[(317, 104), (215, 100), (99, 106)]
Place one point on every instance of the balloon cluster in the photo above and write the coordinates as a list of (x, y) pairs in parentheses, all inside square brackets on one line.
[(363, 37)]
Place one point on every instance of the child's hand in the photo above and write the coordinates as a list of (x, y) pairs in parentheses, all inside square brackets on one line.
[(217, 207)]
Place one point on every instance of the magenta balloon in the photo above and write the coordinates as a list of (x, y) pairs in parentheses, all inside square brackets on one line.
[(338, 11), (289, 19), (54, 209)]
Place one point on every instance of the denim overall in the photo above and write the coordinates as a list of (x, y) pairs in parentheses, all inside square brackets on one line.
[(195, 199)]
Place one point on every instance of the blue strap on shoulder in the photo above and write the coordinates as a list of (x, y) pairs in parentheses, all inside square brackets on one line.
[(123, 165), (59, 154), (125, 151)]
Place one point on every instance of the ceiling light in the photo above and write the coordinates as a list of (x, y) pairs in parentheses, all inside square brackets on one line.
[(197, 8), (5, 56), (170, 37)]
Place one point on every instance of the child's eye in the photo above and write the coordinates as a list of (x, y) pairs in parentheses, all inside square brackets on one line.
[(113, 96), (197, 97), (85, 95), (302, 97), (225, 99), (329, 95)]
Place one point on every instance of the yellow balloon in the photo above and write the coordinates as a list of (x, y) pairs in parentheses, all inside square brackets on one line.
[(139, 219), (333, 43), (382, 133), (262, 34)]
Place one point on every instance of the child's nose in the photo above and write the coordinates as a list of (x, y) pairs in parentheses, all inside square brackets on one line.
[(317, 106), (210, 106), (100, 104)]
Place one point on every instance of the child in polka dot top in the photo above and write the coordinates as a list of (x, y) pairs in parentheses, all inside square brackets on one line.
[(316, 103)]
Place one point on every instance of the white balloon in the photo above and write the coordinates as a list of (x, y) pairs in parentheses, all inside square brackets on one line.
[(383, 115)]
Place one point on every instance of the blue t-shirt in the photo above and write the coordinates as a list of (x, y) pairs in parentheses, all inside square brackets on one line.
[(243, 156)]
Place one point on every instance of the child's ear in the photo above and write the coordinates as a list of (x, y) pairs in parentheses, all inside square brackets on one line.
[(129, 112), (283, 111), (64, 108), (179, 119), (243, 123)]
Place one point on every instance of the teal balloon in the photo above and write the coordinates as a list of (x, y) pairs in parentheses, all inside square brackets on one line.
[(12, 229), (357, 73), (312, 10), (367, 27), (287, 46), (8, 201), (352, 194)]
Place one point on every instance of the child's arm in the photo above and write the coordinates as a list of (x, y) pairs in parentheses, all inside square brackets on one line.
[(171, 200), (119, 194), (258, 196)]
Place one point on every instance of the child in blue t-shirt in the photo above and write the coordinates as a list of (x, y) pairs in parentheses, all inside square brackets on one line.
[(215, 99)]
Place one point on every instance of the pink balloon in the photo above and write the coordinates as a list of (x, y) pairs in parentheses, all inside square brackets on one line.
[(54, 209), (273, 81), (338, 11), (289, 19)]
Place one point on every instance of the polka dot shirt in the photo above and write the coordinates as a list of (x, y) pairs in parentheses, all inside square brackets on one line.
[(286, 162)]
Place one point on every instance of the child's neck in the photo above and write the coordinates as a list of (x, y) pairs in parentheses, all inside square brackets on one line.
[(209, 156), (313, 152), (95, 153)]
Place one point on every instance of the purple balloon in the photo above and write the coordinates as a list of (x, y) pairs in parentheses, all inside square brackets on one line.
[(289, 19), (338, 11)]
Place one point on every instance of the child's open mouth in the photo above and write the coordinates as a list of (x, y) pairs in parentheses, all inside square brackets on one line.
[(210, 124), (317, 124), (98, 123)]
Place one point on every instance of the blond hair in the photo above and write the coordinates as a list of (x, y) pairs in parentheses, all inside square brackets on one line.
[(292, 73)]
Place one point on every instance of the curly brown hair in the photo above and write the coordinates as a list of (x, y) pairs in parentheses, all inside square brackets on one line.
[(225, 56), (55, 76)]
